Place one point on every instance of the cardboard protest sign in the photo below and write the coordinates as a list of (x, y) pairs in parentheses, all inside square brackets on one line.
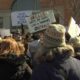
[(73, 29), (40, 21)]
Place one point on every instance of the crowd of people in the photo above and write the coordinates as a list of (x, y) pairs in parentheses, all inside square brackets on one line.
[(50, 54)]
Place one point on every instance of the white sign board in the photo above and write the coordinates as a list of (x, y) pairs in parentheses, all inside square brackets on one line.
[(73, 29), (50, 15), (40, 21), (5, 32), (19, 17)]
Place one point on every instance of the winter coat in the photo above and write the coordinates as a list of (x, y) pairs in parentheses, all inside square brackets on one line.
[(33, 46), (11, 67), (61, 67)]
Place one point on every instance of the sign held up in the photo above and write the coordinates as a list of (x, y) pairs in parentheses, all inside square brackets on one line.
[(40, 20), (73, 29), (19, 17), (5, 32)]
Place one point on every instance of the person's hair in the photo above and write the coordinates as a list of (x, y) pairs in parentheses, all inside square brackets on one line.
[(21, 47), (28, 37), (10, 46), (35, 36), (49, 54)]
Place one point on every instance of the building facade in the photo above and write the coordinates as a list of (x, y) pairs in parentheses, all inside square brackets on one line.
[(63, 8)]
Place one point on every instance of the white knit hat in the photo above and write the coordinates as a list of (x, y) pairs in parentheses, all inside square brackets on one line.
[(54, 36)]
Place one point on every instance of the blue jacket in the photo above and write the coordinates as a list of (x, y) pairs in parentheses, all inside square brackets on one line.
[(62, 67)]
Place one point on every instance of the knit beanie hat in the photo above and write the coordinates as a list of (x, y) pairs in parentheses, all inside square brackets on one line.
[(54, 36)]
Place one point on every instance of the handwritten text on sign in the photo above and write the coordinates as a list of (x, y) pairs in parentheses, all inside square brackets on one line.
[(38, 21), (19, 17)]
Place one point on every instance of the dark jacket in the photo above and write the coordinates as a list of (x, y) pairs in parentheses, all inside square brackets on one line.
[(11, 67), (62, 67)]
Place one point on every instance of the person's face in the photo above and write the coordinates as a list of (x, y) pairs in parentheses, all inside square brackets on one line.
[(41, 37)]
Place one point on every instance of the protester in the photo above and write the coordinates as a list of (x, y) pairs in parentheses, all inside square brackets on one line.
[(34, 44), (41, 35), (32, 47), (28, 37), (75, 42), (12, 61), (55, 58)]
